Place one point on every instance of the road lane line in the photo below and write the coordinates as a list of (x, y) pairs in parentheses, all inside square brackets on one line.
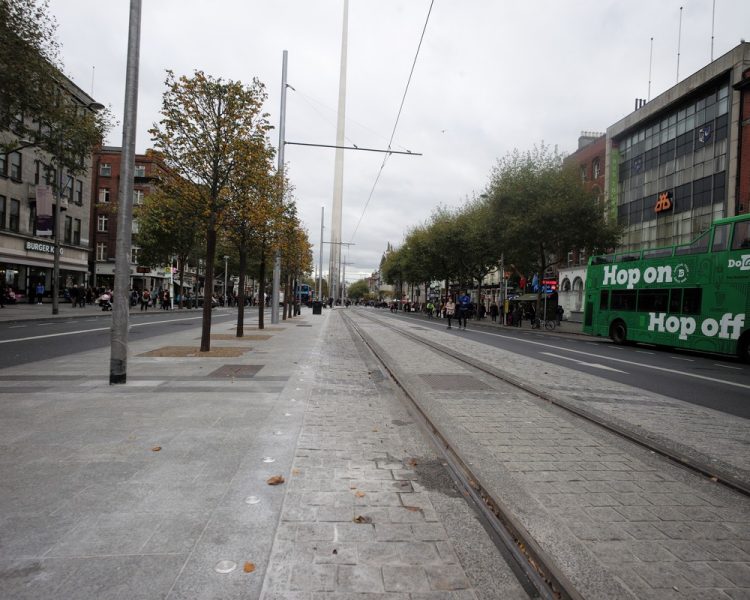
[(587, 364), (620, 360), (728, 367), (51, 335), (682, 358)]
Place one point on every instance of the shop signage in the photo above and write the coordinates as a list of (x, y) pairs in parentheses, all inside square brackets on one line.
[(41, 247), (664, 202)]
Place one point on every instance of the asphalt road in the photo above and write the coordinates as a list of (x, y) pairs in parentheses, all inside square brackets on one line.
[(22, 342), (721, 384)]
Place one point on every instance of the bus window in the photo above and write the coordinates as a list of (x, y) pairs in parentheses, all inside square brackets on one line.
[(675, 301), (603, 259), (604, 300), (623, 299), (695, 247), (721, 238), (657, 253), (691, 301), (653, 300), (741, 237)]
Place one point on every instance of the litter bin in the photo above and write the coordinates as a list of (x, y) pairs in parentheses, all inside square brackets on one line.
[(317, 308)]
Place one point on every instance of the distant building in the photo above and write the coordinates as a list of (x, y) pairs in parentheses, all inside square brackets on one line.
[(105, 190), (589, 160), (26, 259), (682, 160)]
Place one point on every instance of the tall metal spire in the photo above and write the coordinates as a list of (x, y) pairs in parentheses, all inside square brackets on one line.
[(334, 283)]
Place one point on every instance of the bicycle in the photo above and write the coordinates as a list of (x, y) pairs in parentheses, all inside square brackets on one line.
[(548, 324)]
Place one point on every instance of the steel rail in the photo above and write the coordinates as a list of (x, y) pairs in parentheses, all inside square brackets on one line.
[(507, 531), (714, 474)]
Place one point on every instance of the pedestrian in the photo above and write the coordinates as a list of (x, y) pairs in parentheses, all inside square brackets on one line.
[(450, 310), (559, 312), (39, 292), (464, 308), (493, 311), (430, 309), (145, 300)]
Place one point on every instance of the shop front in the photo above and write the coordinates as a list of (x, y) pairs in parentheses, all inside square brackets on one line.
[(26, 263)]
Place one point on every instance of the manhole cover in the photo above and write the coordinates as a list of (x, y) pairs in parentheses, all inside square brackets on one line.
[(239, 371), (454, 382)]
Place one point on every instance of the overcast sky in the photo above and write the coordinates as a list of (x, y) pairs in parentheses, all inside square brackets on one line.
[(491, 76)]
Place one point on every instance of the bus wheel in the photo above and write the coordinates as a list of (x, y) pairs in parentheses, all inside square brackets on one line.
[(743, 347), (618, 332)]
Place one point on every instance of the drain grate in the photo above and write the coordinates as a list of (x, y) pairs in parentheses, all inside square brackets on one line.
[(237, 371), (454, 382)]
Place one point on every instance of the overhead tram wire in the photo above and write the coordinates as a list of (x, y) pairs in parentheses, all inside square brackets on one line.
[(395, 125)]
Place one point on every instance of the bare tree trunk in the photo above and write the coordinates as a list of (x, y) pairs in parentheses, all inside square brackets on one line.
[(286, 298)]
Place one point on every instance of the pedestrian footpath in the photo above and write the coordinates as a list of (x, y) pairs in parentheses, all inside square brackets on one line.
[(618, 520), (280, 465)]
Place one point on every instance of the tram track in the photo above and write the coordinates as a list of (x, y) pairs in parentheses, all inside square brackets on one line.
[(533, 560), (506, 530), (711, 472)]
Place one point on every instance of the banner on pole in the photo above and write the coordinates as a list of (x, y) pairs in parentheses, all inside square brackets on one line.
[(44, 210)]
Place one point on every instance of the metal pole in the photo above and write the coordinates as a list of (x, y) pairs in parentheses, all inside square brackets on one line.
[(320, 270), (277, 259), (226, 269), (58, 216), (679, 40), (650, 62), (120, 306), (171, 286), (713, 21)]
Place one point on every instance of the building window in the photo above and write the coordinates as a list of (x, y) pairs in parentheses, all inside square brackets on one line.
[(101, 251), (583, 173), (3, 210), (15, 166), (69, 188), (570, 259), (14, 215), (596, 168), (68, 234), (134, 251), (140, 170), (137, 197), (77, 231), (105, 170), (37, 172), (102, 223), (134, 226), (4, 165), (103, 195), (79, 192)]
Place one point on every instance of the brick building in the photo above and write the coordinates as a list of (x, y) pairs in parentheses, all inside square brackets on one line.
[(105, 190)]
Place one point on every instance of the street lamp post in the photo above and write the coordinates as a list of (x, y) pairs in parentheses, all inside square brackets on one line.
[(226, 269)]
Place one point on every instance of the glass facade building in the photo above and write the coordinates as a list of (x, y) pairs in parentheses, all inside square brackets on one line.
[(673, 162)]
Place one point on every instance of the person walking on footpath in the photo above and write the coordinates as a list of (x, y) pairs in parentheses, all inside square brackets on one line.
[(450, 310), (430, 309), (559, 312), (493, 311), (464, 307), (145, 299), (39, 292)]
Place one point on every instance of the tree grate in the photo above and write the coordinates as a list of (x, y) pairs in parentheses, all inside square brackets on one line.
[(236, 371), (454, 382)]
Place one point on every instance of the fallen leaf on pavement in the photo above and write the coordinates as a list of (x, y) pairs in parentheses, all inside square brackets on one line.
[(275, 480), (249, 567), (413, 508), (361, 519), (360, 494), (156, 448)]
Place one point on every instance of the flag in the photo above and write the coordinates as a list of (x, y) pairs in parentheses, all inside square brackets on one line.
[(43, 210)]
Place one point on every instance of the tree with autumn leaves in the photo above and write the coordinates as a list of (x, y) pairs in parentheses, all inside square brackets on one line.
[(207, 127), (219, 183)]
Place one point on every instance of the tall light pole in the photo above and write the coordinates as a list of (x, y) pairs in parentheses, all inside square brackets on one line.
[(320, 269), (277, 258), (226, 268), (118, 361)]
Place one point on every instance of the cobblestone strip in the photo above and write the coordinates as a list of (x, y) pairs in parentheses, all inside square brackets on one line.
[(611, 513), (356, 522), (704, 434)]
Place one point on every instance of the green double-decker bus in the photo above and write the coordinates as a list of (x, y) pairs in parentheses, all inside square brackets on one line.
[(694, 296)]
